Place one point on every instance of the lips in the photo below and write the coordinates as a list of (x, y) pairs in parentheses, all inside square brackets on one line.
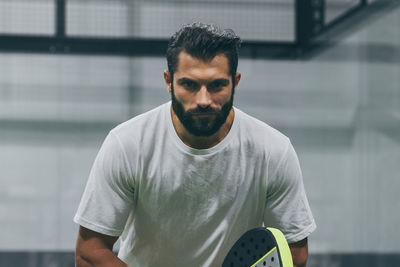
[(203, 114)]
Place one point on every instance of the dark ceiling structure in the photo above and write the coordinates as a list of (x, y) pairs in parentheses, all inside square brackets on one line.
[(310, 25)]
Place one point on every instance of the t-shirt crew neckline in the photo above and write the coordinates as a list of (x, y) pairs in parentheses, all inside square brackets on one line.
[(194, 151)]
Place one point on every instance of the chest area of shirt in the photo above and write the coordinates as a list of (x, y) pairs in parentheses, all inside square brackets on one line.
[(192, 180)]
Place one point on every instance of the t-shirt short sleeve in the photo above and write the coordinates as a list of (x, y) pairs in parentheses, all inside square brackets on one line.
[(108, 197), (287, 206)]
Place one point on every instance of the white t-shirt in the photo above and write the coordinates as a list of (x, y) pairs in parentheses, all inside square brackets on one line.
[(178, 206)]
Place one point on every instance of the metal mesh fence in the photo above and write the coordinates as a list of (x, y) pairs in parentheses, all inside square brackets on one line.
[(336, 8), (27, 17), (252, 19)]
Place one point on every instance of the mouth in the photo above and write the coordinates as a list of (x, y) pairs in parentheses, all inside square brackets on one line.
[(204, 114)]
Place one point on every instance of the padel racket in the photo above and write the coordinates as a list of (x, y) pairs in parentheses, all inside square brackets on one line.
[(260, 247)]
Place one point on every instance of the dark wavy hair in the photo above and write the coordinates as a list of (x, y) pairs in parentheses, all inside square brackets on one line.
[(204, 41)]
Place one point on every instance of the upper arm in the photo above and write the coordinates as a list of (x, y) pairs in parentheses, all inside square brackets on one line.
[(93, 248), (286, 206), (89, 238), (108, 198), (299, 252)]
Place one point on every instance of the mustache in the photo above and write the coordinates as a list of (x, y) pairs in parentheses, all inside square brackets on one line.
[(201, 110)]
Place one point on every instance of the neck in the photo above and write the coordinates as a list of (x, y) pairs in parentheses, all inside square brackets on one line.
[(202, 142)]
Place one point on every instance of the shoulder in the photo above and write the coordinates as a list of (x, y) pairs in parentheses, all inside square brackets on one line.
[(262, 135), (141, 125)]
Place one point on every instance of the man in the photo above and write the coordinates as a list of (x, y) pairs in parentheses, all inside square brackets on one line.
[(181, 183)]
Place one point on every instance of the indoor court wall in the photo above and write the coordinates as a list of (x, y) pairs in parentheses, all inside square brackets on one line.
[(340, 108)]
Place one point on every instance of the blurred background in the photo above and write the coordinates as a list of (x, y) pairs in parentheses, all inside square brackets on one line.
[(326, 73)]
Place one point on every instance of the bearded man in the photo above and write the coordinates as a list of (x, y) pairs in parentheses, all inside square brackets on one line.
[(181, 183)]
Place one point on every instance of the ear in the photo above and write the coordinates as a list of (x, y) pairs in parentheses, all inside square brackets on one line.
[(238, 75), (168, 81)]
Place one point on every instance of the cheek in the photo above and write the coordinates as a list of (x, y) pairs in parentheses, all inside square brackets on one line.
[(219, 101), (223, 97), (186, 99)]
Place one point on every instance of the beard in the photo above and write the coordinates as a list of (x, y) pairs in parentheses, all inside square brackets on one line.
[(203, 125)]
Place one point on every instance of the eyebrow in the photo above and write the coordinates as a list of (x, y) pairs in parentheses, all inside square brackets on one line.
[(182, 80), (223, 81)]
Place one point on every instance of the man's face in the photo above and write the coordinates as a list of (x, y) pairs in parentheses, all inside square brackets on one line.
[(202, 93)]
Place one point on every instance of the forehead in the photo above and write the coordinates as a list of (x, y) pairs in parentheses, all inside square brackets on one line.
[(192, 67)]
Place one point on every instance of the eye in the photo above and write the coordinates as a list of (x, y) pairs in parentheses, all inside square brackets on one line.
[(215, 86), (190, 85)]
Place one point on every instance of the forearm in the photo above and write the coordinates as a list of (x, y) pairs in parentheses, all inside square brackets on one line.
[(302, 264), (299, 252), (95, 250), (299, 260), (98, 258)]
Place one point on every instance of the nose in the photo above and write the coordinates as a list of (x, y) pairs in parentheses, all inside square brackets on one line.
[(203, 97)]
